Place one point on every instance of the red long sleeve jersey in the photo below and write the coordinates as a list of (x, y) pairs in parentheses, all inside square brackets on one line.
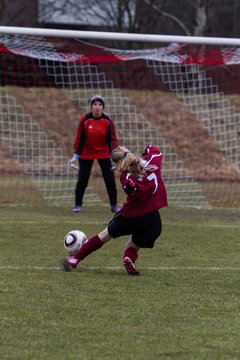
[(150, 194), (96, 138)]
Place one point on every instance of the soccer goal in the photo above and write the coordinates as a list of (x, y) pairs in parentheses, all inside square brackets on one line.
[(181, 94)]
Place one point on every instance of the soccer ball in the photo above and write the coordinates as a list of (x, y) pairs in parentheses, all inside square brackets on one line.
[(74, 240)]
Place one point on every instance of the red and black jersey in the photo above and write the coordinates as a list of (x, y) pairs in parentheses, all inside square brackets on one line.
[(96, 137), (150, 193)]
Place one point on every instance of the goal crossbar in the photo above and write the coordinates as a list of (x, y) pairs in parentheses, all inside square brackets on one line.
[(96, 35)]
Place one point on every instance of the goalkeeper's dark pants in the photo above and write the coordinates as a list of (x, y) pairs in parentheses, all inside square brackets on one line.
[(85, 167)]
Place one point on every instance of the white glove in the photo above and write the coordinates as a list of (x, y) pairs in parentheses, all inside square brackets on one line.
[(74, 162)]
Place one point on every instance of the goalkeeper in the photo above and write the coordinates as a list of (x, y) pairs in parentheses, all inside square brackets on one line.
[(95, 139), (139, 216)]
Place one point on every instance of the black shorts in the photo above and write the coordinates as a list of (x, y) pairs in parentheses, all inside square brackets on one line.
[(144, 230)]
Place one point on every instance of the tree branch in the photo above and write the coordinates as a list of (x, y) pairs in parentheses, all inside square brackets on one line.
[(170, 16)]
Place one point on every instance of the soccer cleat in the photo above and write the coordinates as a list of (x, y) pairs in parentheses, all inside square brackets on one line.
[(77, 208), (115, 208), (69, 263), (129, 266)]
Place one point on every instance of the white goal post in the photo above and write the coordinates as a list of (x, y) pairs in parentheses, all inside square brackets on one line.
[(182, 95)]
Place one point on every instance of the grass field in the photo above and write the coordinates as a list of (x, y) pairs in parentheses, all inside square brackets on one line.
[(184, 305)]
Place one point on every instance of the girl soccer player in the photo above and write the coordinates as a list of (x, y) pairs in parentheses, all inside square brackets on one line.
[(139, 216)]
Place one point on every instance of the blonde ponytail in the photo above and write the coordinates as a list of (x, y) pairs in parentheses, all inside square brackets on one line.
[(127, 161)]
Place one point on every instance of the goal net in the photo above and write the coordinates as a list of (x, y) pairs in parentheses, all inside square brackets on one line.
[(184, 98)]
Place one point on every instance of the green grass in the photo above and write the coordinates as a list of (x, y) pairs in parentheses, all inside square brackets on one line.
[(184, 305)]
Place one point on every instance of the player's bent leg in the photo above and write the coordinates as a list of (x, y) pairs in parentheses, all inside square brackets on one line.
[(131, 244)]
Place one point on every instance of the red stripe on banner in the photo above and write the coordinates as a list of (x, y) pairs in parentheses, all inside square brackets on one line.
[(79, 52)]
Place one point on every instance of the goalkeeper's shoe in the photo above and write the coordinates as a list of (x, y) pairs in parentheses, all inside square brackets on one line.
[(77, 208), (70, 263), (129, 266)]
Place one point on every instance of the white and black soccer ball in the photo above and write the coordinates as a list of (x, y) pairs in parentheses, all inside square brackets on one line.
[(74, 240)]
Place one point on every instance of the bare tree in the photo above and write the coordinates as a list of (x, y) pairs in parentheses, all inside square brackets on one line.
[(118, 15), (180, 17), (115, 15)]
